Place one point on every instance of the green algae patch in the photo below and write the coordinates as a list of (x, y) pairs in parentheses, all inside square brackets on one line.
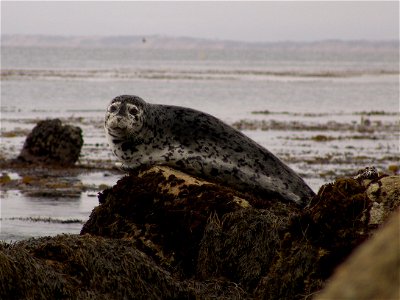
[(4, 179), (321, 138)]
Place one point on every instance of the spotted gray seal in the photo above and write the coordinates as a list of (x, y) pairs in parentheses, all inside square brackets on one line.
[(140, 134)]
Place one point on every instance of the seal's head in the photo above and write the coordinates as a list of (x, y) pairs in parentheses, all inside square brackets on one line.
[(125, 116)]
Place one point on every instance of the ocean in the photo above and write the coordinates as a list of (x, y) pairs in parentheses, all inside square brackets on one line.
[(326, 109)]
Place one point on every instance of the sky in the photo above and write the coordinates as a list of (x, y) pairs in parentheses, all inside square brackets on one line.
[(240, 21)]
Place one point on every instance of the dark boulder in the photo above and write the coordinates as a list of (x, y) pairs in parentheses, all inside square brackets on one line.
[(51, 142)]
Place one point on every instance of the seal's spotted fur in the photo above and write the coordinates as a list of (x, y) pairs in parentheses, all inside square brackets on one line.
[(140, 133)]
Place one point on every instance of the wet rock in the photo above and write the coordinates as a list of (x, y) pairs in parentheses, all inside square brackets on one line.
[(372, 271), (83, 267), (316, 241), (51, 142), (166, 212), (270, 249)]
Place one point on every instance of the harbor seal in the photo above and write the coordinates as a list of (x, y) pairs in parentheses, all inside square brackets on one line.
[(141, 133)]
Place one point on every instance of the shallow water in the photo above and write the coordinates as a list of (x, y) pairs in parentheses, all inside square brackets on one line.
[(35, 213), (303, 91), (23, 216)]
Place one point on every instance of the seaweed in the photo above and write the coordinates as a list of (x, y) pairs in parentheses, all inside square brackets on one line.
[(160, 233)]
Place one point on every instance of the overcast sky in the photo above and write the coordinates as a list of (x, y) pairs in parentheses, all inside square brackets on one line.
[(242, 21)]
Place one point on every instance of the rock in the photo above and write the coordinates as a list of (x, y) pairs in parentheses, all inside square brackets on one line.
[(385, 194), (272, 250), (83, 267), (373, 270), (162, 233), (166, 212), (50, 142), (316, 241)]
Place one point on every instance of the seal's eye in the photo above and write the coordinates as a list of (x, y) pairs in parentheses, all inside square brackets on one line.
[(112, 108), (133, 110)]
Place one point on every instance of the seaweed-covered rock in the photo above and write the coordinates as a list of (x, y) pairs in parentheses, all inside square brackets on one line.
[(52, 142), (161, 233), (83, 267), (166, 211), (373, 270), (194, 228), (317, 240)]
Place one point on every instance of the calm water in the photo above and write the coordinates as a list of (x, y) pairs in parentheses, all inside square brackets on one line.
[(310, 87)]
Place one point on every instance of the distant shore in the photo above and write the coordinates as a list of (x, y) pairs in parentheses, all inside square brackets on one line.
[(169, 42)]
